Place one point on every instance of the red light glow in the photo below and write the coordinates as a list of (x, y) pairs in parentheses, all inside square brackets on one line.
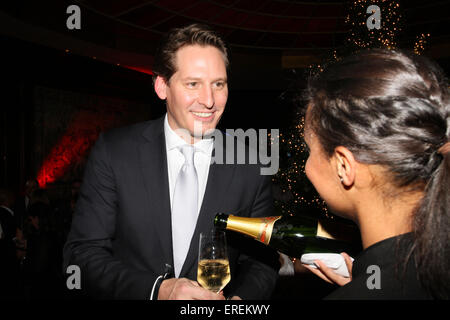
[(142, 70), (71, 149)]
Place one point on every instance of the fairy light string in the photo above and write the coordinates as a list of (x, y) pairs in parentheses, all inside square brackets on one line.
[(297, 193)]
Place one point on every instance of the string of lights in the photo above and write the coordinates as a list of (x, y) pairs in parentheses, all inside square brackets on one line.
[(420, 44), (384, 37), (296, 191)]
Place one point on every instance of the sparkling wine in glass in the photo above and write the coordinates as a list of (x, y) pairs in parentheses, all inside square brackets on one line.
[(213, 265)]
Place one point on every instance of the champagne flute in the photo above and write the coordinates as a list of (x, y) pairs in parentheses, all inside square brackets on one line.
[(213, 266)]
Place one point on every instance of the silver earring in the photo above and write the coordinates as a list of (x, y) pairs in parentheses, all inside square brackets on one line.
[(341, 179)]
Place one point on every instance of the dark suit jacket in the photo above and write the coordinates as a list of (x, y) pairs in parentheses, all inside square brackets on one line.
[(8, 223), (121, 232), (8, 260), (20, 211)]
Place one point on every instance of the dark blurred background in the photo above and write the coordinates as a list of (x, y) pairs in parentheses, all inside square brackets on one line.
[(62, 87)]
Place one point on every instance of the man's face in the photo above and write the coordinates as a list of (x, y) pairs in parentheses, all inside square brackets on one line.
[(197, 92), (30, 187)]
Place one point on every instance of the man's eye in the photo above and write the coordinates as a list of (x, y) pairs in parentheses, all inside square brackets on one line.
[(220, 85), (192, 84)]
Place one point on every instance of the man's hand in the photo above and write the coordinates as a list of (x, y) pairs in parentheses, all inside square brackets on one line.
[(185, 289)]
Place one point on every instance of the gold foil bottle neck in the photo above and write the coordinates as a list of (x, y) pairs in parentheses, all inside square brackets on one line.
[(258, 228)]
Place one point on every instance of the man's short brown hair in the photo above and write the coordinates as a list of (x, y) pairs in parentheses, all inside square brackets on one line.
[(194, 34)]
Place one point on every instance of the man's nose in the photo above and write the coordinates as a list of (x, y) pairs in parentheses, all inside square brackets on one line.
[(206, 97)]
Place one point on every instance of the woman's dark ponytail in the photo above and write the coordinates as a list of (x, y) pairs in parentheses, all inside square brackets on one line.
[(432, 231), (392, 108)]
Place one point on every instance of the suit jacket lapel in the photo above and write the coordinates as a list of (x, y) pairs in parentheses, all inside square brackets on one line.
[(219, 179), (153, 160)]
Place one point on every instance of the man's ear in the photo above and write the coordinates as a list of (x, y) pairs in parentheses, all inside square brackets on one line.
[(345, 165), (160, 86)]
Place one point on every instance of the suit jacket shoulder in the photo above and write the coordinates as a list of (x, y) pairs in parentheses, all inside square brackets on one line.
[(123, 137), (119, 144)]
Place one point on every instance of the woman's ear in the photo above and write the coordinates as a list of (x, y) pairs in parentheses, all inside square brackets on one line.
[(160, 86), (345, 165)]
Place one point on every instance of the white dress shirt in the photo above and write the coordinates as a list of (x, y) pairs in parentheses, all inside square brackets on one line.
[(175, 160)]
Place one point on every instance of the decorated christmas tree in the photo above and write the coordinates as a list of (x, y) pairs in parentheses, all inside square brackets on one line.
[(293, 192), (372, 24)]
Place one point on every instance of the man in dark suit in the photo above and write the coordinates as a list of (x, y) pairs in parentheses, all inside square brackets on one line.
[(129, 223), (8, 260), (24, 201)]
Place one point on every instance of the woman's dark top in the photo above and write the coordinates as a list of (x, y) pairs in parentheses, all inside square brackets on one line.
[(379, 273)]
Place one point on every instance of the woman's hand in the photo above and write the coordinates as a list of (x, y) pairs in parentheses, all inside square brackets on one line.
[(328, 274)]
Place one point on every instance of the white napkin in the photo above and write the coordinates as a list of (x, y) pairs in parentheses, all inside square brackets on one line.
[(332, 260)]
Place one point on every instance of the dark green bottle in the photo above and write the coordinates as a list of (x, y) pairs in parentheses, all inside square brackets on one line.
[(292, 235)]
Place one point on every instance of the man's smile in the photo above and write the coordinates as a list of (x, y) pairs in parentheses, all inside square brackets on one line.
[(203, 116)]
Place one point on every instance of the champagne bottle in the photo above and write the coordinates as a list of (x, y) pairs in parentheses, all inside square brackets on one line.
[(291, 235)]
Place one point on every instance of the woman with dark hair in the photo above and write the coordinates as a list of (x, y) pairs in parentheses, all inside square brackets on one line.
[(378, 127)]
